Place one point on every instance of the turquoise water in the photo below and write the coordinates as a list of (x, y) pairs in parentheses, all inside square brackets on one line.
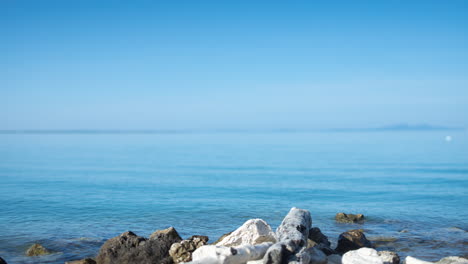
[(70, 192)]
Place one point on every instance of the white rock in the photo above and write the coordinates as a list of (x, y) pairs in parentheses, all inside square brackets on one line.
[(453, 260), (411, 260), (334, 259), (362, 256), (389, 257), (212, 254), (252, 232)]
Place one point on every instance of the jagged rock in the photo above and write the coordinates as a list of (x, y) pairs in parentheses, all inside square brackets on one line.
[(130, 248), (212, 254), (334, 259), (82, 261), (351, 240), (349, 218), (453, 260), (182, 251), (310, 256), (362, 256), (252, 232), (2, 261), (37, 250), (292, 235), (389, 257)]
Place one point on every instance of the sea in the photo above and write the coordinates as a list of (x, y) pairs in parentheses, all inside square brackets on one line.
[(72, 191)]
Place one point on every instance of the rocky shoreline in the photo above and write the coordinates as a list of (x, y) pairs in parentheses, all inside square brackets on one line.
[(295, 241)]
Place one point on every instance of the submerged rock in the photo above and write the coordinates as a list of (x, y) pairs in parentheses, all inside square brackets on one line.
[(362, 256), (211, 254), (349, 218), (82, 261), (389, 257), (37, 250), (352, 240), (252, 232), (182, 251), (130, 248)]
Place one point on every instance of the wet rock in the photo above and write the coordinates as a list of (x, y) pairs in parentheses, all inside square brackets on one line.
[(389, 257), (229, 255), (334, 259), (82, 261), (37, 250), (349, 218), (352, 240), (292, 235), (130, 248), (362, 256), (2, 261), (252, 232), (182, 251)]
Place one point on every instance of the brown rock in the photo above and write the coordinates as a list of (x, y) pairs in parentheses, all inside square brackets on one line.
[(352, 240), (349, 218), (37, 250), (182, 251)]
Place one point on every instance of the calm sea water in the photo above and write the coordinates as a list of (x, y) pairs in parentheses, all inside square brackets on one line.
[(70, 192)]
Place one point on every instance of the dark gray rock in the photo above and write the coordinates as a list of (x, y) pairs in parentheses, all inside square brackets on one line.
[(2, 261), (349, 218), (279, 253), (37, 250), (320, 241), (182, 251), (352, 240), (130, 248)]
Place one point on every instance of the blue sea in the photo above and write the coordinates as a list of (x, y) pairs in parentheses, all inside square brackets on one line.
[(72, 191)]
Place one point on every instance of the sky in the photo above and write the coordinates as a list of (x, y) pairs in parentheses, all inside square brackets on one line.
[(232, 64)]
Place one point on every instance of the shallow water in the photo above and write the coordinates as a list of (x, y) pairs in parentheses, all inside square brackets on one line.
[(71, 192)]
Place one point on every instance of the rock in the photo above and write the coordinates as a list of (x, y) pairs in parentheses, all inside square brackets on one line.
[(411, 260), (349, 218), (318, 237), (292, 235), (334, 259), (211, 254), (320, 241), (221, 238), (389, 257), (182, 251), (82, 261), (130, 248), (37, 250), (453, 260), (351, 240), (362, 256), (311, 256), (2, 261), (252, 232)]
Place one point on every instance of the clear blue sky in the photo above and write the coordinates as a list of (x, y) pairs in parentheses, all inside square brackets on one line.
[(232, 64)]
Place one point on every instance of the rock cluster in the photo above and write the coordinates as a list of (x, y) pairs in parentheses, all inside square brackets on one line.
[(294, 242)]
